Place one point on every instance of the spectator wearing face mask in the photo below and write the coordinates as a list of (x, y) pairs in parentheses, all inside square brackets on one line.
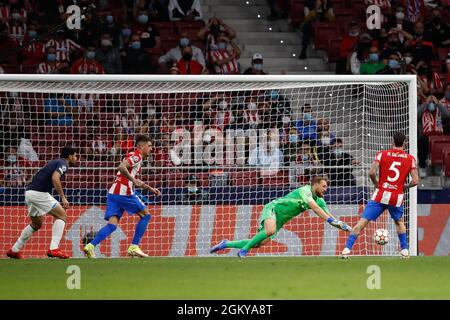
[(50, 65), (87, 64), (125, 36), (14, 174), (185, 10), (136, 59), (175, 54), (307, 126), (348, 42), (253, 119), (373, 65), (210, 33), (63, 45), (193, 194), (324, 135), (257, 65), (108, 55), (186, 65), (431, 116), (360, 54), (17, 24), (109, 25), (148, 32), (399, 22), (268, 157), (437, 31), (428, 81), (33, 52), (392, 65), (421, 48), (223, 58)]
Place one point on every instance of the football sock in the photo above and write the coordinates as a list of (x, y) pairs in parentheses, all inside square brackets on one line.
[(403, 243), (258, 238), (57, 232), (351, 241), (24, 236), (141, 227), (104, 233), (239, 244)]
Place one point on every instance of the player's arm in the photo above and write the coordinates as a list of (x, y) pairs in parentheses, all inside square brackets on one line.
[(56, 180), (414, 179), (124, 167), (328, 217), (373, 172)]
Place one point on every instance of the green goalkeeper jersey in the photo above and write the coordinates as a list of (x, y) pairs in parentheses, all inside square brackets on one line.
[(296, 202)]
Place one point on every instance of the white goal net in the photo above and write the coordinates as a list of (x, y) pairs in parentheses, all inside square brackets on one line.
[(223, 147)]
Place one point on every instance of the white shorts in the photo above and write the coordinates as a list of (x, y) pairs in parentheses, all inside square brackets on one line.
[(39, 203)]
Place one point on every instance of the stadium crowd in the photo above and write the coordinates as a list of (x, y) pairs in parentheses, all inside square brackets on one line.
[(171, 36)]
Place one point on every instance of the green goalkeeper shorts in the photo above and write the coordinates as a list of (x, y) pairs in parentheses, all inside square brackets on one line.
[(269, 212)]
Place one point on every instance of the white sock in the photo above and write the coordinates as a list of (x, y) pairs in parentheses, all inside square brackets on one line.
[(57, 232), (24, 236)]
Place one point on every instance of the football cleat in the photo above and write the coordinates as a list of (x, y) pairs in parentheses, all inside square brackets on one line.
[(242, 253), (57, 253), (89, 251), (135, 251), (345, 253), (15, 255), (220, 246), (404, 254)]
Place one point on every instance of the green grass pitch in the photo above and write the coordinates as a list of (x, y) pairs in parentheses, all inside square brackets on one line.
[(227, 278)]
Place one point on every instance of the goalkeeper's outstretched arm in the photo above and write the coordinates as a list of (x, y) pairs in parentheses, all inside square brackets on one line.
[(328, 217)]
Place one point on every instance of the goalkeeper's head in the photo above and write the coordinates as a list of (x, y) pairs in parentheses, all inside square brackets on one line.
[(399, 140), (144, 145), (319, 185)]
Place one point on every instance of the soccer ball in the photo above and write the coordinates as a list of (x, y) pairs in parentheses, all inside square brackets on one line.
[(381, 236)]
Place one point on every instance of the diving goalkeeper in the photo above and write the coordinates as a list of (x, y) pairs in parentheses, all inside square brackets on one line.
[(278, 212)]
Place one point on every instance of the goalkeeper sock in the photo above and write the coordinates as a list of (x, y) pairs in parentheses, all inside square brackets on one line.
[(351, 241), (57, 232), (141, 227), (103, 233), (24, 236), (258, 238), (403, 243), (238, 244)]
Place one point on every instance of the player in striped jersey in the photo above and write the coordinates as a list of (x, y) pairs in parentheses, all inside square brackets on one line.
[(393, 166), (121, 197)]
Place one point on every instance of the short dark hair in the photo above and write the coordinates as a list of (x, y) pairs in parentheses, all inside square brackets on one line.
[(338, 140), (399, 139), (317, 178), (67, 151), (142, 138)]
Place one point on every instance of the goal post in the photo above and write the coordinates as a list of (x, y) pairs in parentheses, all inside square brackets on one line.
[(223, 147)]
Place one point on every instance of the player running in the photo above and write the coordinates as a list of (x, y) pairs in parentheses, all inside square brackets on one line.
[(121, 197), (278, 212), (393, 166), (40, 202)]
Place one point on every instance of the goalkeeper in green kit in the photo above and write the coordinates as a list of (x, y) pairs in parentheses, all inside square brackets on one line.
[(278, 212)]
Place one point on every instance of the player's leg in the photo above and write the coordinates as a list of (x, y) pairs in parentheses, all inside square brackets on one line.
[(371, 212), (397, 214), (269, 229), (60, 217), (27, 232), (136, 206), (114, 212)]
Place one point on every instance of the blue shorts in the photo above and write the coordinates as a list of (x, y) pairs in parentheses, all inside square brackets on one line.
[(117, 204), (374, 209)]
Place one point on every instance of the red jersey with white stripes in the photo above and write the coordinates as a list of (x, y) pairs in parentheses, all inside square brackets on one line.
[(123, 186), (395, 166)]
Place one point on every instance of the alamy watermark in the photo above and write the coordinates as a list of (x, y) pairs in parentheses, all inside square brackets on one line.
[(374, 280), (74, 280)]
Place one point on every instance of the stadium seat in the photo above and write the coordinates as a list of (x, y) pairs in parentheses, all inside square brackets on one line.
[(189, 25), (281, 178), (296, 12), (446, 159), (166, 29), (244, 178), (324, 31), (333, 48), (436, 144)]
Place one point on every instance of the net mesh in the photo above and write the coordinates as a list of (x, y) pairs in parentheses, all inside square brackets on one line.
[(221, 151)]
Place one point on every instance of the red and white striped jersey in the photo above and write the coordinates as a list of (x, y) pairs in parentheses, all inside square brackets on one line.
[(123, 186), (46, 67), (63, 48), (228, 68), (395, 166), (17, 31)]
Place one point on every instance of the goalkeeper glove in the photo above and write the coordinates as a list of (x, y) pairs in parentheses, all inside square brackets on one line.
[(339, 224)]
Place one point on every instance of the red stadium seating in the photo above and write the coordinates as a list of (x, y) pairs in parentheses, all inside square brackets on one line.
[(333, 48), (166, 29), (281, 178), (189, 25), (296, 11), (436, 144), (244, 178), (324, 31), (446, 165)]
